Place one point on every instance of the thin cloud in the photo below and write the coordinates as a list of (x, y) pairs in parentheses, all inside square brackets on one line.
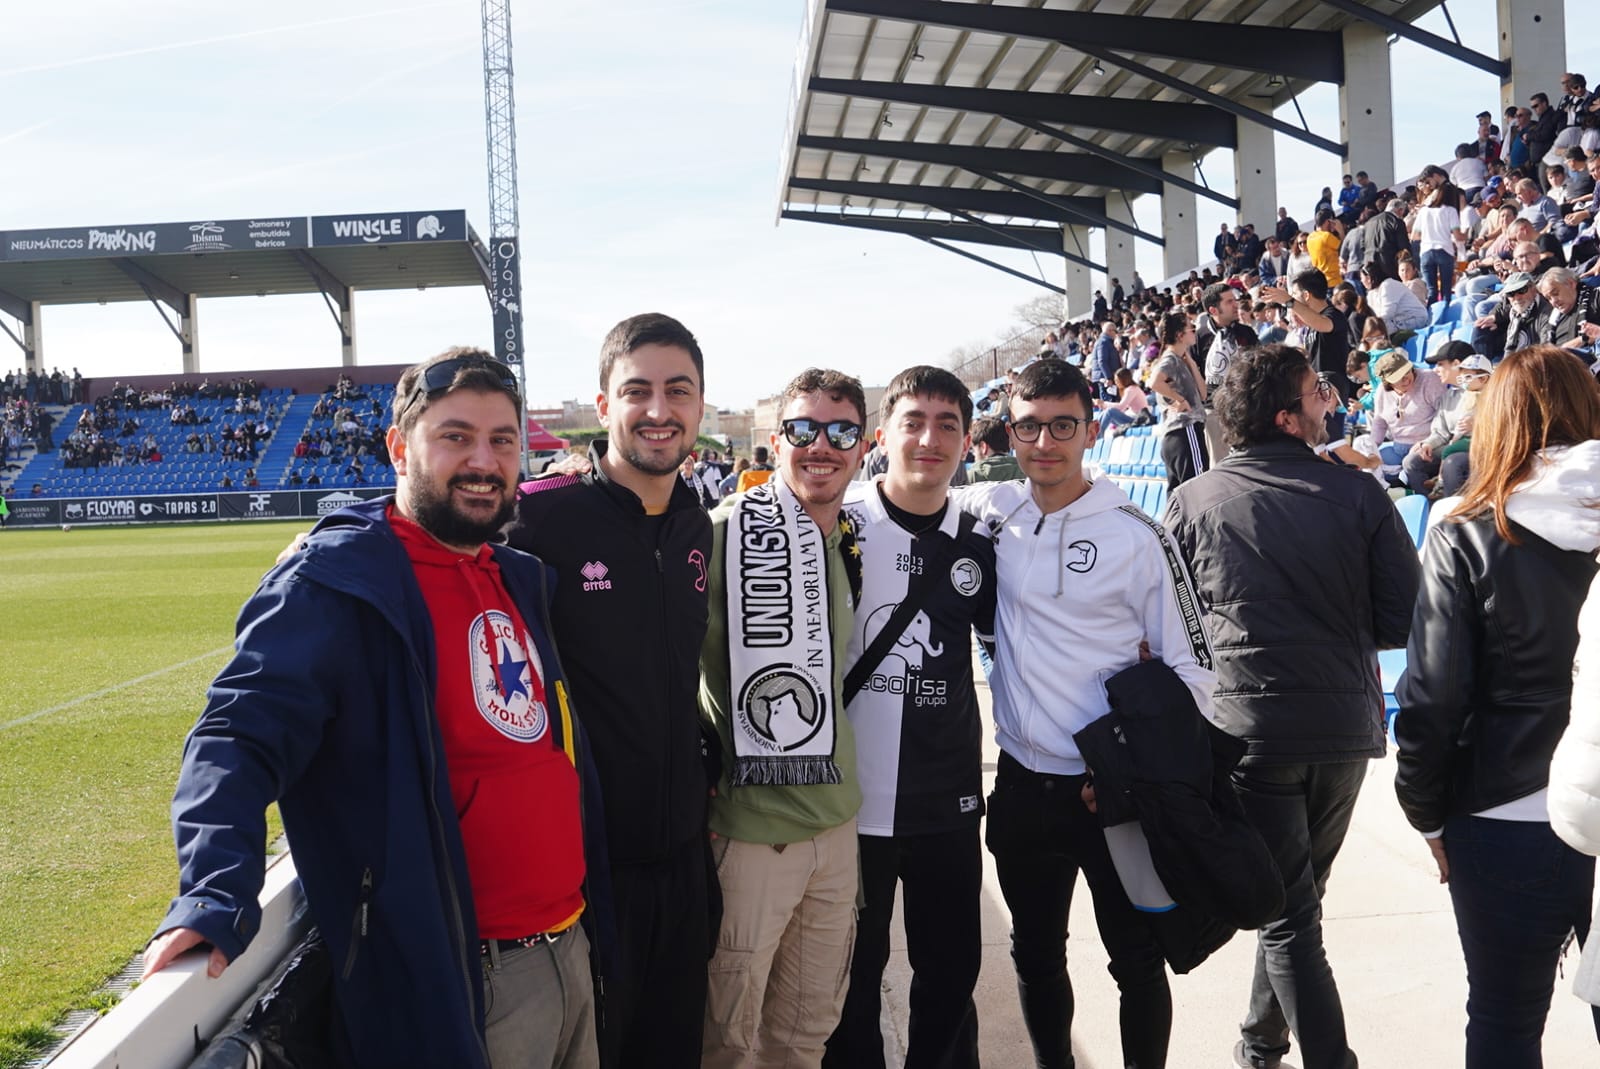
[(18, 135), (198, 42)]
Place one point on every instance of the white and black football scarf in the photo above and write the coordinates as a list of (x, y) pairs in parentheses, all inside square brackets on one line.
[(780, 643)]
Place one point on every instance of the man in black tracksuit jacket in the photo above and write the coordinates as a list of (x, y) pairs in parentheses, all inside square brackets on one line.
[(629, 615)]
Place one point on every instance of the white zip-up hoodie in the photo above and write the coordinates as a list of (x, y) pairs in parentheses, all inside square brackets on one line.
[(1078, 590)]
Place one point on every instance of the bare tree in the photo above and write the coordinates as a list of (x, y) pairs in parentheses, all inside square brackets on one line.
[(1044, 312)]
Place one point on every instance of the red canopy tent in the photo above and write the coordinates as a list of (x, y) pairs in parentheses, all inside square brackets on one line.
[(539, 438)]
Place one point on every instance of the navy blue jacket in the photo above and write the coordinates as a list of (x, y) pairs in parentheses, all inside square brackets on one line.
[(326, 708)]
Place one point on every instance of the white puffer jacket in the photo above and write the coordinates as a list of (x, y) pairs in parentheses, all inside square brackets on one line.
[(1575, 767)]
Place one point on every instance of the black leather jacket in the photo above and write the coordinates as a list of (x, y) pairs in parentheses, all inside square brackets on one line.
[(1305, 572), (1488, 682)]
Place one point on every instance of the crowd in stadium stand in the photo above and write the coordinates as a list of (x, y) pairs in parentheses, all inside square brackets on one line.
[(54, 388), (1488, 251)]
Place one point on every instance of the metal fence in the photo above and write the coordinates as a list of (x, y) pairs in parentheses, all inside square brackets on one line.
[(1002, 357)]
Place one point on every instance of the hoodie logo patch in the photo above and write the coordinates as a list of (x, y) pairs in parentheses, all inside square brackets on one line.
[(594, 576), (1081, 555), (507, 679)]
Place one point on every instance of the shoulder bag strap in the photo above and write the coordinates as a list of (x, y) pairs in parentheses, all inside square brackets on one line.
[(916, 596)]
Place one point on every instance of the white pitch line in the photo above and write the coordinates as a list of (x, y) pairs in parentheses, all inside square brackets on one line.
[(19, 721)]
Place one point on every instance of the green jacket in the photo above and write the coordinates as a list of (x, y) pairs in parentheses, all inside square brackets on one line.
[(1000, 468), (774, 814)]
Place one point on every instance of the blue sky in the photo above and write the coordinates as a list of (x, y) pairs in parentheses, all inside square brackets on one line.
[(649, 137)]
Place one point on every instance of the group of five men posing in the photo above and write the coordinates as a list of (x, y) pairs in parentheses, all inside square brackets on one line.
[(624, 803)]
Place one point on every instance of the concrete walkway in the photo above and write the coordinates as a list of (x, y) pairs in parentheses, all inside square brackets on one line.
[(1390, 936)]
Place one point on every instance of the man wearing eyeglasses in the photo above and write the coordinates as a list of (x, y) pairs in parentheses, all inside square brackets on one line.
[(783, 581), (1084, 578), (395, 689), (631, 542), (1305, 571)]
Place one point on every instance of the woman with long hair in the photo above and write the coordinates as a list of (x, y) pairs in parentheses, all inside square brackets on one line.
[(1299, 256), (1488, 690)]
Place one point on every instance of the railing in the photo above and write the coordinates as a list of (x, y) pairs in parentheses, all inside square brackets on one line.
[(1002, 357)]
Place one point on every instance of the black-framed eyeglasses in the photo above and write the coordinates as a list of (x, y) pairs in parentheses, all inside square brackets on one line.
[(1323, 390), (438, 377), (841, 433), (1062, 428)]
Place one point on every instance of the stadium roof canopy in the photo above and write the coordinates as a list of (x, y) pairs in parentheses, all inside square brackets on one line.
[(998, 123), (174, 264)]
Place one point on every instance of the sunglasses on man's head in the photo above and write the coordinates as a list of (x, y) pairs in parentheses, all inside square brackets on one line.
[(438, 377), (841, 433)]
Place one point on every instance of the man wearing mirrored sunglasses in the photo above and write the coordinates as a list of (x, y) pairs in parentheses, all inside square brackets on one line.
[(395, 689), (784, 579), (631, 542), (1084, 579)]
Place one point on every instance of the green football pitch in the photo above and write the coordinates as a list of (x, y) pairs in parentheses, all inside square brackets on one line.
[(110, 637)]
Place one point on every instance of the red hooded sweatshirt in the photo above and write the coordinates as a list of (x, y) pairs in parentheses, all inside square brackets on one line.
[(515, 788)]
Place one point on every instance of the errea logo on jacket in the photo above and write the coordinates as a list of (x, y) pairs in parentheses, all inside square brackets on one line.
[(594, 576)]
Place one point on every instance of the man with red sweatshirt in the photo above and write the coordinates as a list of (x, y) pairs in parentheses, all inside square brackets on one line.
[(395, 690)]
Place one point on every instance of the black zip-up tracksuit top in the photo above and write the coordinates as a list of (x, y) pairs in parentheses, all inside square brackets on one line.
[(629, 614)]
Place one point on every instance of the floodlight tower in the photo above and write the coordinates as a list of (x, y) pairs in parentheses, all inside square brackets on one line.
[(500, 119)]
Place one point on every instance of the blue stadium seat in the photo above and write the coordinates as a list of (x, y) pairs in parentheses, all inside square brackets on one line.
[(1413, 510), (1442, 314)]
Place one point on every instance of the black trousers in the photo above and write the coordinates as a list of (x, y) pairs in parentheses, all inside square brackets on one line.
[(941, 880), (1185, 453), (655, 1004), (1303, 813), (1042, 835)]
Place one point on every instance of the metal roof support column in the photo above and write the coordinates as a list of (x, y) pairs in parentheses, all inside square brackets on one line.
[(1080, 291), (1366, 103), (33, 338), (347, 328), (189, 335), (1533, 39), (1119, 247), (1255, 175), (1179, 226)]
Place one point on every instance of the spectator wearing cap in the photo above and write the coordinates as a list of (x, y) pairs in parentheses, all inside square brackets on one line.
[(1510, 325), (1403, 410), (1423, 462)]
